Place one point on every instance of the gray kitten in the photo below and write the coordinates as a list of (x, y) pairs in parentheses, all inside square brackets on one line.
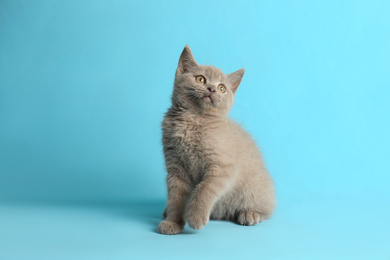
[(214, 167)]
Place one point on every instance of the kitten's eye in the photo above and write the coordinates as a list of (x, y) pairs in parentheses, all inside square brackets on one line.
[(222, 88), (200, 79)]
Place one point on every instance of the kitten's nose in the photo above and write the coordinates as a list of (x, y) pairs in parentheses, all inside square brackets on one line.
[(211, 89)]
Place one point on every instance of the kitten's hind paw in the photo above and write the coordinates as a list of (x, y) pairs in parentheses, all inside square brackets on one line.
[(249, 217), (169, 228)]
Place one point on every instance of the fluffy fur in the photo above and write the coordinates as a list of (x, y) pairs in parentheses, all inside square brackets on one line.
[(214, 167)]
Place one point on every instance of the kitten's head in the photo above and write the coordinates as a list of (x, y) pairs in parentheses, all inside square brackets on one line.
[(204, 89)]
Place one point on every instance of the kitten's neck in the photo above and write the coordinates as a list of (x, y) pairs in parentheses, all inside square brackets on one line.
[(180, 110)]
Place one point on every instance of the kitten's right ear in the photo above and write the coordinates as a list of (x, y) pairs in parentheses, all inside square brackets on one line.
[(235, 79), (186, 62)]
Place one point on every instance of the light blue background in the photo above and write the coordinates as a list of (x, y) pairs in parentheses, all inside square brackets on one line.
[(83, 89)]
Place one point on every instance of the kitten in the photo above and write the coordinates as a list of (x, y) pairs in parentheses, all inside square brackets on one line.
[(214, 167)]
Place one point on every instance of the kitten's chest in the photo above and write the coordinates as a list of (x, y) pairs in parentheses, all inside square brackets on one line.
[(190, 141)]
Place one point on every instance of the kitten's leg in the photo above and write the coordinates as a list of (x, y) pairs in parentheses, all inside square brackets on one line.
[(205, 195), (249, 217), (178, 193), (252, 215)]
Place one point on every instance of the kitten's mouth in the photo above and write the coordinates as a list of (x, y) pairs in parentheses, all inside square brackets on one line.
[(208, 98)]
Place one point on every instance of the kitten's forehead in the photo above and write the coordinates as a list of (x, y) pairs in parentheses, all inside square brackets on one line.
[(212, 73)]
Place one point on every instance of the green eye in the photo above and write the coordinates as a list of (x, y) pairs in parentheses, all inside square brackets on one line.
[(200, 79), (222, 88)]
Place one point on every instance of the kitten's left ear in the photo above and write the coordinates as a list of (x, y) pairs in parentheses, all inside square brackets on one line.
[(235, 79), (186, 61)]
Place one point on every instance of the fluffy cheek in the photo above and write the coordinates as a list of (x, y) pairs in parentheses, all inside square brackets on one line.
[(227, 101), (218, 100), (231, 99)]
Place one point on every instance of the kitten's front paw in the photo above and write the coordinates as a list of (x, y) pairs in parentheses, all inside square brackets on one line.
[(197, 219), (169, 228), (249, 217)]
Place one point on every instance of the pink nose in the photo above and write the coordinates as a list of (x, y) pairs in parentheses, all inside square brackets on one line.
[(211, 89)]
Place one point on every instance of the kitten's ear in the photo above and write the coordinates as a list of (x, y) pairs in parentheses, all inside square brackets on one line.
[(186, 62), (235, 79)]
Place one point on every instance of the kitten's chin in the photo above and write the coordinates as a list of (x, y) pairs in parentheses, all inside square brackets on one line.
[(208, 99), (208, 102)]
